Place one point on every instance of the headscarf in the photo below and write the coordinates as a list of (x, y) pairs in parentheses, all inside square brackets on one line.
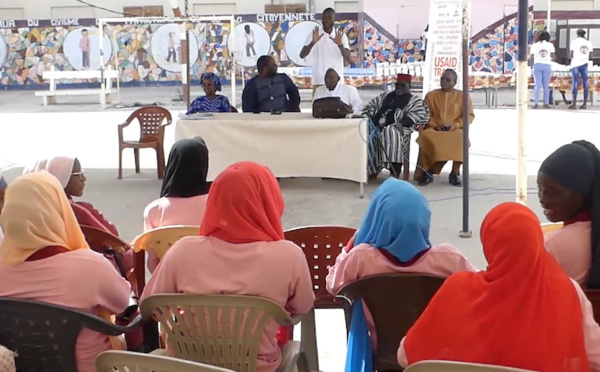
[(397, 220), (36, 167), (522, 312), (37, 215), (244, 205), (61, 167), (186, 169), (214, 78), (576, 167)]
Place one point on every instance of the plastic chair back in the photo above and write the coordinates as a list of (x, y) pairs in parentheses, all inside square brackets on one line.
[(123, 361), (44, 335), (321, 246), (220, 330), (151, 120), (159, 240), (443, 366), (395, 301)]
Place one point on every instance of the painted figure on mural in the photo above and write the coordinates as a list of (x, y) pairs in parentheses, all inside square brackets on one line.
[(249, 35), (84, 44), (172, 51)]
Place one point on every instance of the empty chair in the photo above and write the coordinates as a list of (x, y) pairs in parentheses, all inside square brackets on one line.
[(123, 361), (152, 120)]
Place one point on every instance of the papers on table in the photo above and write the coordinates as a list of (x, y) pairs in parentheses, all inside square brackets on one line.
[(197, 116)]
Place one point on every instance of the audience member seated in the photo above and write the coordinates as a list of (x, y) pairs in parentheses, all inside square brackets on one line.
[(394, 237), (211, 101), (71, 176), (184, 190), (442, 139), (269, 91), (334, 87), (241, 250), (394, 116), (522, 312), (569, 192), (44, 257)]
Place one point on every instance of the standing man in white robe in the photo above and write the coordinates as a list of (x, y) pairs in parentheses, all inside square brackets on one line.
[(334, 87)]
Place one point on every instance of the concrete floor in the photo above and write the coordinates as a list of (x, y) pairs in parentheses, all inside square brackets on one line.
[(29, 131)]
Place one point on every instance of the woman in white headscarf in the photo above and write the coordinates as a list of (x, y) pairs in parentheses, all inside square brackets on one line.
[(69, 173)]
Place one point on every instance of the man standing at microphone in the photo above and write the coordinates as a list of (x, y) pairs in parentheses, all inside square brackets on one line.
[(328, 48)]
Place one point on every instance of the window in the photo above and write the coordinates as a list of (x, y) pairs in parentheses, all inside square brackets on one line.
[(144, 11), (214, 9), (72, 12), (11, 14)]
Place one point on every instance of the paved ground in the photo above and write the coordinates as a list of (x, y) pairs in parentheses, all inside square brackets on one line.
[(29, 131)]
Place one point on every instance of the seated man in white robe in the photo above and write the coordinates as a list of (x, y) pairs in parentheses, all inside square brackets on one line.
[(334, 87)]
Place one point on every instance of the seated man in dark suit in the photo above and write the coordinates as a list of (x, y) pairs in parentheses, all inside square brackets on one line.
[(269, 91)]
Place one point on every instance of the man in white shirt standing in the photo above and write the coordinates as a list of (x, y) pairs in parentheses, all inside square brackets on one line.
[(580, 56), (334, 87), (328, 48)]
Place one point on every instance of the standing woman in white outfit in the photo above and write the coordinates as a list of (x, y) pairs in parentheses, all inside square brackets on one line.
[(542, 52), (580, 56)]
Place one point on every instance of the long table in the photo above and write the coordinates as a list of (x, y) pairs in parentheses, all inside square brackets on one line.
[(290, 144)]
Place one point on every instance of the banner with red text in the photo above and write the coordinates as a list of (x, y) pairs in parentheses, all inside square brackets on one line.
[(444, 42)]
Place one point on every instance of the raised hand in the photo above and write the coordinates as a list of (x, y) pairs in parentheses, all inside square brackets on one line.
[(316, 35), (338, 38)]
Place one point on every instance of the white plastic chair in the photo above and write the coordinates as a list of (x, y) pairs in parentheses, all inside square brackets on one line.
[(220, 330), (159, 240), (548, 227), (444, 366), (124, 361)]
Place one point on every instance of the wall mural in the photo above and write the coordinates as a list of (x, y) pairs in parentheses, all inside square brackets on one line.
[(150, 54)]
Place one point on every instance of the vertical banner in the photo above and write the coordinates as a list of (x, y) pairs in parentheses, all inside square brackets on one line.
[(444, 42)]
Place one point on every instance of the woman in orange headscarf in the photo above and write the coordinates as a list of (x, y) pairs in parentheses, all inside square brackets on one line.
[(45, 257), (241, 250), (522, 312)]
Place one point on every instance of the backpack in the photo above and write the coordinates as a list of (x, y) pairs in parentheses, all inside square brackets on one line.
[(330, 108)]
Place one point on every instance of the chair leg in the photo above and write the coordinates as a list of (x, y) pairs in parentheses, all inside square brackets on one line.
[(136, 154), (120, 163), (160, 162), (309, 340)]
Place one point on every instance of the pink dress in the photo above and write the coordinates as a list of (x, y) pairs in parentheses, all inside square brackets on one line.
[(571, 247), (365, 260), (81, 280), (591, 334), (169, 211), (207, 265)]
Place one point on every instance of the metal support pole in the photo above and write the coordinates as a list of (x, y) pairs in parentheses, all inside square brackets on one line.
[(465, 232), (522, 102), (102, 79), (183, 37), (548, 15)]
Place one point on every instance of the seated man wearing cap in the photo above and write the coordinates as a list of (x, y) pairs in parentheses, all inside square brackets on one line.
[(442, 139), (335, 88), (394, 116)]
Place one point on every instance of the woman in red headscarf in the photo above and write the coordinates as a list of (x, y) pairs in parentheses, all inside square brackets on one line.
[(522, 312), (241, 250)]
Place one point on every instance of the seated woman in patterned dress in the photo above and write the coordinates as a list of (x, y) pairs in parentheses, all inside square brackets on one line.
[(211, 101)]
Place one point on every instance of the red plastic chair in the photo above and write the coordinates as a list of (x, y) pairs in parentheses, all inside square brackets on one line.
[(152, 135), (321, 245)]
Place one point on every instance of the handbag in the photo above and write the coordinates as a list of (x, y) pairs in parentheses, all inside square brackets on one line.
[(330, 108)]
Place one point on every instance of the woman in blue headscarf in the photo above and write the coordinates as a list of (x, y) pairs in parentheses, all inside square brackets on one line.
[(393, 237), (211, 101)]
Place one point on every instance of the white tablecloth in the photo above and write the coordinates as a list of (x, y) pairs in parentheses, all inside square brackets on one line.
[(291, 144)]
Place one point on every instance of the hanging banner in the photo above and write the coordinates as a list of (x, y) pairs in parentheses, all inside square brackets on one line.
[(444, 42)]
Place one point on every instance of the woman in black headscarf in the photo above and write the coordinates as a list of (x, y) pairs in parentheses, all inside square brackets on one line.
[(184, 190), (569, 192)]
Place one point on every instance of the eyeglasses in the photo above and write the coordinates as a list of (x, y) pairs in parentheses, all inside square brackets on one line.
[(79, 174)]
